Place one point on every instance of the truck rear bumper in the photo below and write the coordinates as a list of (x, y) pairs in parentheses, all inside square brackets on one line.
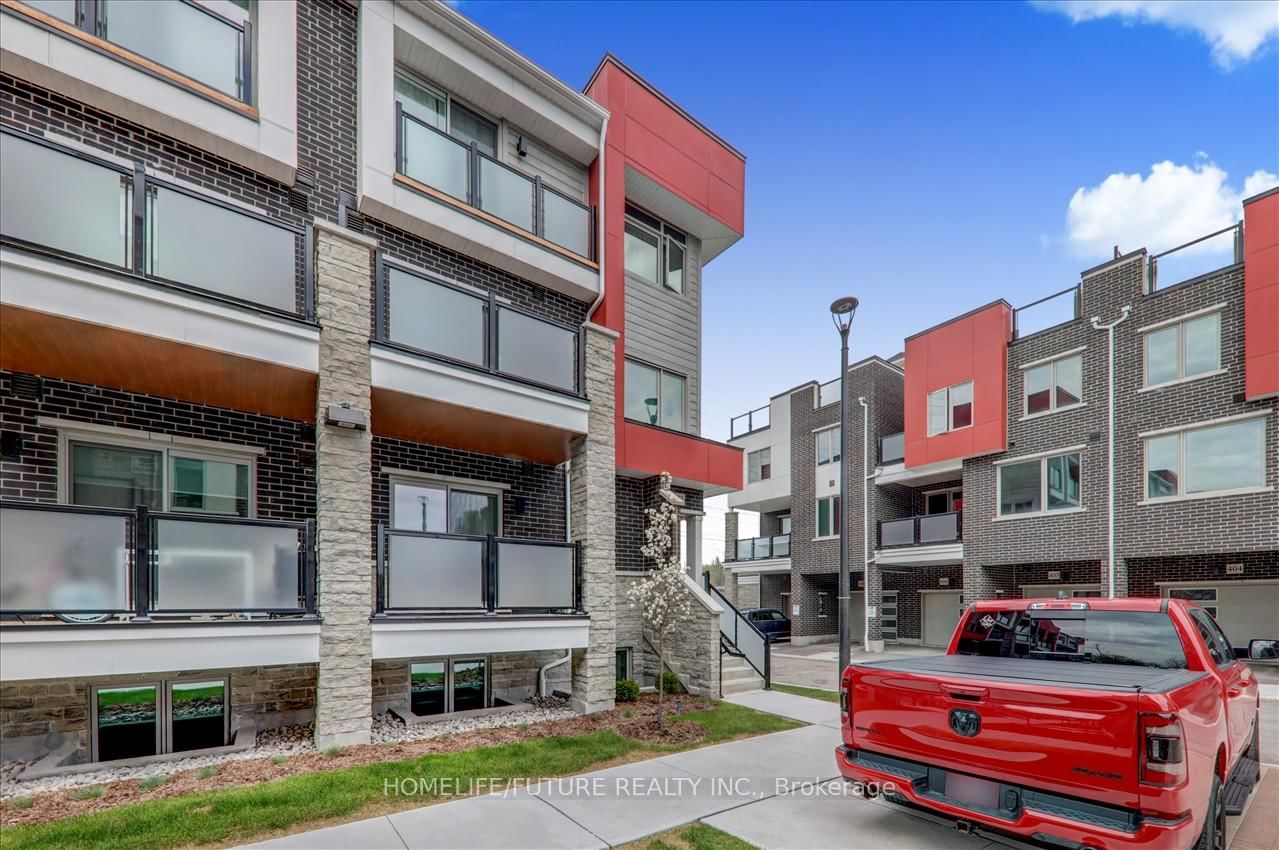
[(1044, 818)]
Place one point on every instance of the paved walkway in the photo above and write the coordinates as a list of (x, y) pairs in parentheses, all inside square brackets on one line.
[(778, 792)]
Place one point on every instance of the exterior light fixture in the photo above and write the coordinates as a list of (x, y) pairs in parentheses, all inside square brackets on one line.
[(841, 315)]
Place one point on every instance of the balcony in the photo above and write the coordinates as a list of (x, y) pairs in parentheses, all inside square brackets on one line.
[(465, 369), (932, 539), (763, 548), (80, 583), (112, 274), (749, 422), (1195, 259), (892, 449)]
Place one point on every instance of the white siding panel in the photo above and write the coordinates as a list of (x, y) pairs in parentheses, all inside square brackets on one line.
[(556, 170)]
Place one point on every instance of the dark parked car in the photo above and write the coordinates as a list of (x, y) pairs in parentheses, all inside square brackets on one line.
[(773, 623)]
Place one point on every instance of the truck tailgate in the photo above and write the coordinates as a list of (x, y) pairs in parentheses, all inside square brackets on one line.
[(1060, 726)]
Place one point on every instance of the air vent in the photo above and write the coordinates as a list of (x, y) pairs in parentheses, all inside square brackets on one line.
[(348, 216), (1239, 398), (299, 200), (1094, 436), (303, 186), (305, 178), (27, 386)]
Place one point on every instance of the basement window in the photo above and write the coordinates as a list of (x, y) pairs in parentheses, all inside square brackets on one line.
[(143, 719)]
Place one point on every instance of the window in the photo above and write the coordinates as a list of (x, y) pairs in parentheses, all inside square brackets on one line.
[(950, 409), (445, 685), (943, 501), (1218, 645), (654, 251), (1040, 485), (828, 516), (1055, 385), (783, 524), (622, 663), (759, 465), (444, 508), (1183, 350), (1138, 638), (437, 109), (654, 396), (167, 479), (828, 446), (147, 718), (1219, 458)]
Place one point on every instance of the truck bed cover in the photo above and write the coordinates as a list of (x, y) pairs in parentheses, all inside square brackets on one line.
[(1071, 674)]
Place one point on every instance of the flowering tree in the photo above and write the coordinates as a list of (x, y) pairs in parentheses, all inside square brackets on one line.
[(661, 596)]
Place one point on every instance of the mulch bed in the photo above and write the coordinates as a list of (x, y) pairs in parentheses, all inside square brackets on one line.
[(637, 720)]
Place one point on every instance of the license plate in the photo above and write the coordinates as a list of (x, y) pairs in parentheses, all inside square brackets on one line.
[(973, 791)]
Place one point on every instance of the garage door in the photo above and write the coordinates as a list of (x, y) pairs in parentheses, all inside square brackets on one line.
[(1244, 611), (941, 613), (1051, 591)]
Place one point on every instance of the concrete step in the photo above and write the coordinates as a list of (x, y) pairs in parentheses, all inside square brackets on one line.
[(741, 686)]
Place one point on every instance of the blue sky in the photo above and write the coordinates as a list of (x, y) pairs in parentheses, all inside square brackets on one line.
[(924, 156)]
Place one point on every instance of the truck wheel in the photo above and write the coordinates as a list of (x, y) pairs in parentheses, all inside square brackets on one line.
[(1213, 836)]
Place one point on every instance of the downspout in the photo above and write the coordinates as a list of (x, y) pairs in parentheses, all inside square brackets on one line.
[(568, 500), (865, 521), (599, 219), (541, 673), (1110, 448)]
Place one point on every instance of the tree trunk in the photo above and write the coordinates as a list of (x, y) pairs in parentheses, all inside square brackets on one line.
[(661, 679)]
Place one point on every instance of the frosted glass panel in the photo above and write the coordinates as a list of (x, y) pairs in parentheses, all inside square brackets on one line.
[(939, 528), (204, 566), (63, 562), (535, 350), (897, 532), (63, 10), (505, 194), (531, 576), (181, 36), (566, 224), (432, 572), (61, 202), (436, 318), (211, 247), (435, 160)]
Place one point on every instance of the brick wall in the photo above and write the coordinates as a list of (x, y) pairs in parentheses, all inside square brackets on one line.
[(908, 582), (634, 496), (327, 107), (284, 473), (1143, 573)]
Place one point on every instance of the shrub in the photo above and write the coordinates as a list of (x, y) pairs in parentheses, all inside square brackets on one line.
[(21, 802), (627, 690), (207, 772), (671, 683), (91, 792), (146, 783), (278, 759), (333, 751)]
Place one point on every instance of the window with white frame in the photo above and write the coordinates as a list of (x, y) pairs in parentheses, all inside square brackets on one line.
[(109, 474), (654, 395), (950, 408), (828, 446), (828, 516), (1040, 485), (759, 465), (654, 251), (445, 508), (1182, 350), (1209, 459), (1055, 385), (438, 109)]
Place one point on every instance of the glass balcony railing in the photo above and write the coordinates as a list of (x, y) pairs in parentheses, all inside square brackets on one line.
[(208, 42), (76, 205), (87, 564), (421, 572), (752, 420), (926, 530), (477, 331), (436, 159), (892, 449), (760, 548)]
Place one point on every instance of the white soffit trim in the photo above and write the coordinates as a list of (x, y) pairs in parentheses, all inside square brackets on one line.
[(72, 651), (421, 376), (428, 638), (946, 553), (932, 473), (101, 298)]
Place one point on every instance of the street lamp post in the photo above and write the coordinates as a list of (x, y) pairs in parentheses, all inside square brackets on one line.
[(841, 313)]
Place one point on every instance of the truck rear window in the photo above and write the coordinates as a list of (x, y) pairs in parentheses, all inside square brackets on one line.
[(1144, 639)]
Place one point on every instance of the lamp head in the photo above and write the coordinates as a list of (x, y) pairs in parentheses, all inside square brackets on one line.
[(841, 313)]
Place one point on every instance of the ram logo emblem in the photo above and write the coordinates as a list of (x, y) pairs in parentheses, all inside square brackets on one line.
[(965, 722)]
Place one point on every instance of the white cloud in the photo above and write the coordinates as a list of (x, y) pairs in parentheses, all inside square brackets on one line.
[(1168, 207), (1236, 29)]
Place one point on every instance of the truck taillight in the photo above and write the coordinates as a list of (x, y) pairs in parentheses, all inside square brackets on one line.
[(1163, 750), (845, 695)]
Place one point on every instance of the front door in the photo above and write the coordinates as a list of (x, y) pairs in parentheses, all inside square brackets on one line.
[(941, 614)]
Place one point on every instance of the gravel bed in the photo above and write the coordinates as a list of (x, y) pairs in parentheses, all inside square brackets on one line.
[(284, 741)]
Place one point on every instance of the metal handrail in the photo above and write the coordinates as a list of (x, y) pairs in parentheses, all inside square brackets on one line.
[(738, 619), (749, 416), (1235, 226), (1017, 311), (1152, 263)]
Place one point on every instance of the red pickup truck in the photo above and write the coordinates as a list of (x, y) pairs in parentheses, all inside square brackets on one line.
[(1099, 723)]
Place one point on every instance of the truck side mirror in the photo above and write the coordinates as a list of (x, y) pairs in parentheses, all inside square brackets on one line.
[(1260, 649)]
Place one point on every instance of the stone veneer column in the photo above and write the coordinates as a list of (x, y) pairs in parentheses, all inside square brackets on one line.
[(343, 460), (593, 498)]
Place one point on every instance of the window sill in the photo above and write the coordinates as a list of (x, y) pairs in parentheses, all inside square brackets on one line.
[(1198, 377), (1039, 514), (950, 430), (1211, 494), (827, 537), (1043, 413)]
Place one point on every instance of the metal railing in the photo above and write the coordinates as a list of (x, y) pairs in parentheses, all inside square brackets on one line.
[(759, 548), (742, 637), (1047, 312), (461, 326), (1195, 263), (430, 572), (86, 564), (752, 420), (70, 203), (925, 530), (433, 157), (892, 448)]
